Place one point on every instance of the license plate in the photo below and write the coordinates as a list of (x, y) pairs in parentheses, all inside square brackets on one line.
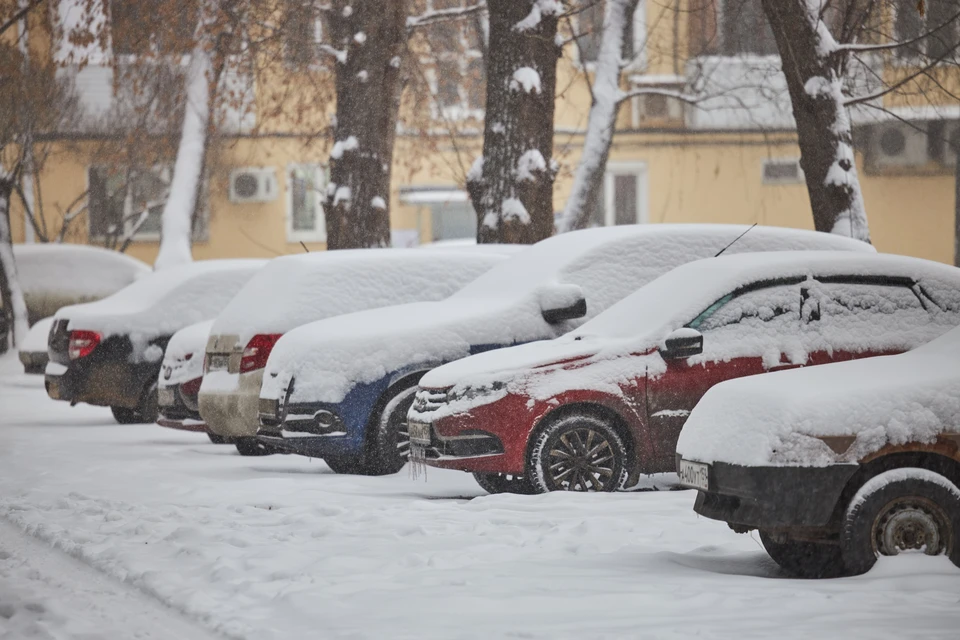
[(419, 432), (218, 361), (166, 397), (694, 474)]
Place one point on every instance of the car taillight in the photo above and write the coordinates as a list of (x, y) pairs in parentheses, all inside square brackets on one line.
[(82, 343), (257, 351)]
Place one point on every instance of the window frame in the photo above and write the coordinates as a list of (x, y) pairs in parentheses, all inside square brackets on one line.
[(140, 236), (319, 232), (729, 297), (640, 171), (639, 62)]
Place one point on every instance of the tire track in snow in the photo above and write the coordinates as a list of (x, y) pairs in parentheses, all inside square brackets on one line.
[(46, 593)]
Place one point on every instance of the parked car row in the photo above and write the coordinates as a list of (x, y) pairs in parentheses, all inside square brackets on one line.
[(576, 364)]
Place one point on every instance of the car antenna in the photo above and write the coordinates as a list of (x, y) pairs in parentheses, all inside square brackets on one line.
[(308, 250), (735, 240)]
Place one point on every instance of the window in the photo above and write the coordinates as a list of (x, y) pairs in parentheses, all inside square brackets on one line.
[(125, 202), (877, 305), (160, 26), (766, 307), (782, 171), (909, 24), (303, 32), (459, 78), (729, 28), (305, 219), (590, 28), (624, 196)]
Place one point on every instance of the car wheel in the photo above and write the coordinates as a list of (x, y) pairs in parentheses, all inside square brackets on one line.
[(804, 559), (504, 483), (123, 415), (898, 511), (251, 447), (149, 407), (391, 443), (579, 452), (346, 464)]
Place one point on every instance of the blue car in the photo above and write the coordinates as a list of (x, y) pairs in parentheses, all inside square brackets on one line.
[(340, 388)]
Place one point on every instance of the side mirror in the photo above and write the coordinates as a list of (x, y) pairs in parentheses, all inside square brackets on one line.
[(559, 302), (682, 343)]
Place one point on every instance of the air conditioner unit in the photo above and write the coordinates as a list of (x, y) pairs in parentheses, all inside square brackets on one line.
[(253, 184), (656, 107), (951, 138), (897, 144)]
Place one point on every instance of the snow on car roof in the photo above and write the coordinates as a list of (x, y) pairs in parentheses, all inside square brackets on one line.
[(643, 319), (293, 290), (775, 419), (75, 269), (165, 301), (561, 256)]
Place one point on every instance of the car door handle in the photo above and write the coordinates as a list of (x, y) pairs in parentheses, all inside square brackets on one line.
[(784, 367)]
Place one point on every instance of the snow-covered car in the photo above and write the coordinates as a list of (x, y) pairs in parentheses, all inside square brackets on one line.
[(55, 275), (594, 409), (838, 465), (180, 375), (109, 352), (340, 389), (33, 351), (294, 290)]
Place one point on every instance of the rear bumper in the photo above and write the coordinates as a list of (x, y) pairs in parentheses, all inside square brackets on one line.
[(182, 424), (233, 414), (105, 383), (768, 497)]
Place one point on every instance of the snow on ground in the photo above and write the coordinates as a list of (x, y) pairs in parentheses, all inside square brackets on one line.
[(280, 547)]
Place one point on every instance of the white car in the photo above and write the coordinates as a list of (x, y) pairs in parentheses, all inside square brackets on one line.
[(180, 377), (108, 352), (33, 351), (340, 389), (836, 465), (294, 290), (54, 275)]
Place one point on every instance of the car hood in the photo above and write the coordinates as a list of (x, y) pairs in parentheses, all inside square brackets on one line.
[(327, 358), (858, 406)]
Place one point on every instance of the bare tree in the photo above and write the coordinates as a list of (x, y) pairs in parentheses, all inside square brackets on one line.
[(511, 184), (815, 64)]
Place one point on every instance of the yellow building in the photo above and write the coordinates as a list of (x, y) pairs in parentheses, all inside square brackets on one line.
[(732, 158)]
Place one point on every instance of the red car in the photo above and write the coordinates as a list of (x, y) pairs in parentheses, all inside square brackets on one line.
[(594, 409)]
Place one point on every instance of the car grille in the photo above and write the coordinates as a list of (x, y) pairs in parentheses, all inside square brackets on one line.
[(429, 400)]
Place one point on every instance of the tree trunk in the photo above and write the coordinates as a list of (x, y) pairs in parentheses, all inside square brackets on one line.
[(176, 235), (956, 208), (369, 43), (14, 307), (588, 181), (511, 185), (814, 70)]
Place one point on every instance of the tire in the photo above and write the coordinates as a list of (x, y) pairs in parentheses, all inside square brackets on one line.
[(352, 465), (390, 445), (123, 415), (250, 447), (504, 483), (900, 510), (217, 439), (149, 407), (804, 559), (596, 450)]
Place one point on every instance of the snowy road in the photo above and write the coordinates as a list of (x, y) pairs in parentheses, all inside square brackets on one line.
[(280, 547)]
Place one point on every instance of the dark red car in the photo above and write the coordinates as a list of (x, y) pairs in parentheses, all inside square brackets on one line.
[(594, 409)]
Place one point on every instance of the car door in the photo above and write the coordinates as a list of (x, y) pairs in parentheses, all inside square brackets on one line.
[(748, 331)]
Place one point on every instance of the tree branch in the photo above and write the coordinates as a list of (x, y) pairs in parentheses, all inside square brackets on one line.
[(861, 48), (19, 15), (443, 15), (650, 91), (913, 76)]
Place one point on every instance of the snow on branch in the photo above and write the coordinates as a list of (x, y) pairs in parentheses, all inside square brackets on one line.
[(442, 15), (339, 55), (539, 9)]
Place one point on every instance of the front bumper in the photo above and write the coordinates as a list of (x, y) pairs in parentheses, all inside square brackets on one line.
[(233, 414), (34, 362), (772, 498), (311, 446), (474, 450)]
